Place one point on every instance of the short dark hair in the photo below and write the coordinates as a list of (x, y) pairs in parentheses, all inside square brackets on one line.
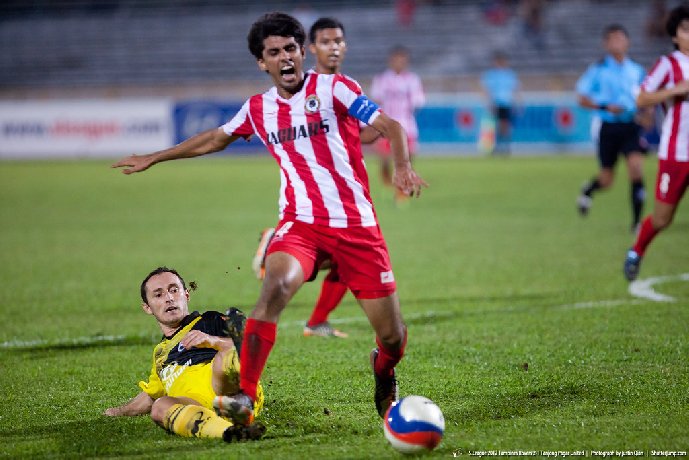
[(155, 272), (324, 23), (276, 23), (399, 49), (614, 28), (500, 55), (675, 18)]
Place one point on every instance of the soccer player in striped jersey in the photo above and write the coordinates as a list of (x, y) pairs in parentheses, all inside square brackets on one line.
[(667, 84), (609, 86), (310, 124), (195, 363), (329, 47), (399, 92)]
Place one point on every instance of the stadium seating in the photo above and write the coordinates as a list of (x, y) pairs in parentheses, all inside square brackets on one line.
[(72, 43)]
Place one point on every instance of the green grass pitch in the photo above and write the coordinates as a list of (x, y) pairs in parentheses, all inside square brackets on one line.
[(521, 327)]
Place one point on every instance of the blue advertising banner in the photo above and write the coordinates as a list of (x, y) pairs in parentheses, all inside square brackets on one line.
[(551, 122), (193, 117)]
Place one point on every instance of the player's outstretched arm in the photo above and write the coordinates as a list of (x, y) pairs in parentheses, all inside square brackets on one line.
[(647, 99), (405, 177), (212, 140), (139, 405)]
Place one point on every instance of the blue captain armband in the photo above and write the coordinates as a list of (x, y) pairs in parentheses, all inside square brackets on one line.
[(363, 109)]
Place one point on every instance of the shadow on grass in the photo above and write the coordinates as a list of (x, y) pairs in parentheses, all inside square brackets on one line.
[(101, 436), (532, 400), (95, 341)]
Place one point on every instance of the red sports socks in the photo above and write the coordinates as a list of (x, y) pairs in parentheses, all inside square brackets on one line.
[(332, 292), (259, 337), (388, 358), (646, 234)]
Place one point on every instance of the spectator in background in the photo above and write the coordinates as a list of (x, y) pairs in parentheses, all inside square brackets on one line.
[(501, 85), (655, 21), (497, 12), (405, 12), (399, 93), (531, 12)]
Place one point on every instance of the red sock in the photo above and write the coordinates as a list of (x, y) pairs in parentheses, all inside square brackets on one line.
[(646, 235), (259, 337), (388, 358), (332, 292)]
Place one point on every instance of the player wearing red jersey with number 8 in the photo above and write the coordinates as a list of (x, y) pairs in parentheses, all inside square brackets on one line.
[(309, 124), (668, 84)]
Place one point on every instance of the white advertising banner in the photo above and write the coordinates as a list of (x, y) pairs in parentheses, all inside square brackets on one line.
[(84, 128)]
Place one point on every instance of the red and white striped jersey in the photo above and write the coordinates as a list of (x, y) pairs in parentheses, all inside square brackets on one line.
[(399, 95), (314, 137), (674, 138)]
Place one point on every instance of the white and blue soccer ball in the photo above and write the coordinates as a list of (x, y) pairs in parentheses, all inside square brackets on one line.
[(413, 424)]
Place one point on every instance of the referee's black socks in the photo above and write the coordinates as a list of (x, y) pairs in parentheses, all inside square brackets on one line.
[(591, 187), (638, 196)]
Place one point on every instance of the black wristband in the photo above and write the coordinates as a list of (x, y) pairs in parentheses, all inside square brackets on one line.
[(603, 106)]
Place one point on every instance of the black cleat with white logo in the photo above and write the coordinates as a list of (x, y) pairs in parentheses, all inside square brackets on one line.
[(386, 388)]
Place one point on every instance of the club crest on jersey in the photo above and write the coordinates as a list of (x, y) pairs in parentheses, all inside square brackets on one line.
[(312, 104)]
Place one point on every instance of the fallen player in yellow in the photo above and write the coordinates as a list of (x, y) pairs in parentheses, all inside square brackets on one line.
[(194, 366)]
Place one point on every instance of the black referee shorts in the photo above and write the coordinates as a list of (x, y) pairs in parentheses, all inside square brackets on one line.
[(616, 138), (503, 112)]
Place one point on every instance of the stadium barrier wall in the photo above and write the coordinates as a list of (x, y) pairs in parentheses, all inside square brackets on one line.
[(542, 122), (452, 124), (84, 128), (194, 116)]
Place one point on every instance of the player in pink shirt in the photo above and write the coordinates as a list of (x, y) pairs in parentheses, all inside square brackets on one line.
[(399, 92), (667, 84), (310, 124)]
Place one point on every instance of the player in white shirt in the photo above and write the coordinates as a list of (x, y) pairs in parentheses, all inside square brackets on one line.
[(399, 93), (310, 124), (667, 84)]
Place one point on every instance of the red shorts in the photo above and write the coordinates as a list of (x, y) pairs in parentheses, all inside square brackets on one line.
[(383, 146), (672, 181), (360, 254)]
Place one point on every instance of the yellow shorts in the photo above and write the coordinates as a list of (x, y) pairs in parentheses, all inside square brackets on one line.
[(196, 382)]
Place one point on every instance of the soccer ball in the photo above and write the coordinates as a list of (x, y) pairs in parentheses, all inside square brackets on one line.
[(414, 423)]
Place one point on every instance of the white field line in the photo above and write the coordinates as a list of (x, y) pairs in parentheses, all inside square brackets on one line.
[(640, 288), (362, 318), (644, 288), (598, 303)]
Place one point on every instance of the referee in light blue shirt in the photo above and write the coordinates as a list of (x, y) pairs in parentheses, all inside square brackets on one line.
[(609, 87), (501, 85)]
